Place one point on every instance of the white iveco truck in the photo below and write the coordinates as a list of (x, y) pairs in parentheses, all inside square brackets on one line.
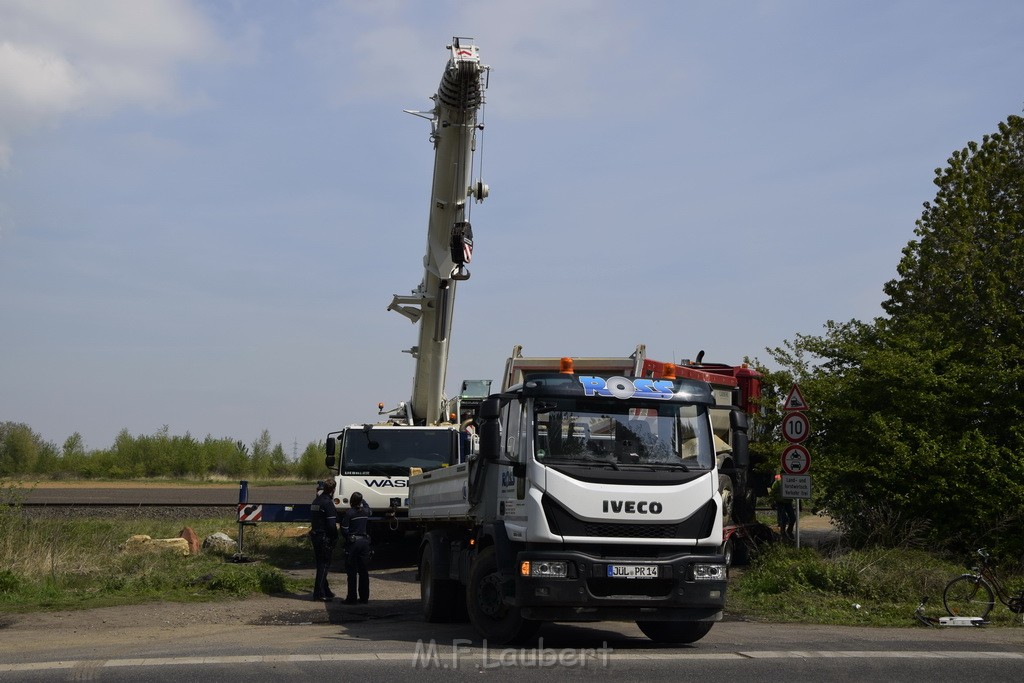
[(424, 433), (594, 496)]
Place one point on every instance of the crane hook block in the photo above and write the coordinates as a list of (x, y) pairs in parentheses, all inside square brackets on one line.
[(462, 249), (462, 243)]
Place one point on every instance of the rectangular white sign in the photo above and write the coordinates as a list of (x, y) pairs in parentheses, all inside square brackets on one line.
[(796, 486)]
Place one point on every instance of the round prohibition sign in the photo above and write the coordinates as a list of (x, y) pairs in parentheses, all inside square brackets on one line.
[(795, 459), (795, 427)]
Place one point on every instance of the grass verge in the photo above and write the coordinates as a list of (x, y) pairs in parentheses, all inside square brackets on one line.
[(876, 587), (79, 562)]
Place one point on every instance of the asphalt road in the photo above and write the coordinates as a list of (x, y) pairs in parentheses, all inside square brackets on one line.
[(282, 638)]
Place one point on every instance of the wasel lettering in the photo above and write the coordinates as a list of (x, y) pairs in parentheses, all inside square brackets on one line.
[(630, 507), (394, 483)]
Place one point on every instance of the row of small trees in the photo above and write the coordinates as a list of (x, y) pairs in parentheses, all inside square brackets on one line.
[(25, 453)]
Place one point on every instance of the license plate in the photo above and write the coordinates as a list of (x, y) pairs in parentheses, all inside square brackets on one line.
[(632, 571)]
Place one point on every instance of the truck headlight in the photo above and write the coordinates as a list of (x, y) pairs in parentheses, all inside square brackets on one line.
[(544, 569), (708, 572)]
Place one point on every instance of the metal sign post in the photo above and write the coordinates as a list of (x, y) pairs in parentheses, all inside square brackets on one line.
[(796, 460)]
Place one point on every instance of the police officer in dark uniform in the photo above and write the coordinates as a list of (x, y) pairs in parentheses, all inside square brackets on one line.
[(357, 549), (324, 536)]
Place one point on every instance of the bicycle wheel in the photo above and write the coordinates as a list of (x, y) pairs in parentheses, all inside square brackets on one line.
[(968, 596)]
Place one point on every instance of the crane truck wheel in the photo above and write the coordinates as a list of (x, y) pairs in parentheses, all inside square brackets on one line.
[(677, 632), (725, 488), (437, 596), (497, 622)]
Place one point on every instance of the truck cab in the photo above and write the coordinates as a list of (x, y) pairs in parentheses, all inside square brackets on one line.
[(592, 498), (377, 460)]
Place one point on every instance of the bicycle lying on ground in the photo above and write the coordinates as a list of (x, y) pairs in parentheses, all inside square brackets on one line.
[(973, 594)]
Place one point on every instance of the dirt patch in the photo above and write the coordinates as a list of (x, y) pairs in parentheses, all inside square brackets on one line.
[(393, 592)]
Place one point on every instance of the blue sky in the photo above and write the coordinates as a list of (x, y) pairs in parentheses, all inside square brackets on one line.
[(206, 207)]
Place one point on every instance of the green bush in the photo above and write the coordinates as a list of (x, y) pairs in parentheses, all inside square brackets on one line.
[(10, 582), (783, 569)]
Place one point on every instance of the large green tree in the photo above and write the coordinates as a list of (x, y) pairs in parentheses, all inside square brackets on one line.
[(918, 414)]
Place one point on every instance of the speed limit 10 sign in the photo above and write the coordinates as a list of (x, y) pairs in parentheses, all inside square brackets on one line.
[(795, 427)]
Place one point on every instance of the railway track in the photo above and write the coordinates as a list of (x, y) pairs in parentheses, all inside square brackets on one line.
[(150, 502), (142, 510)]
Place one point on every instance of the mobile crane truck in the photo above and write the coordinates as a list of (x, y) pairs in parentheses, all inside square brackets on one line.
[(595, 496), (424, 433)]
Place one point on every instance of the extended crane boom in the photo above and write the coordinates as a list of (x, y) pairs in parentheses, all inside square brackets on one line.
[(418, 435), (453, 130)]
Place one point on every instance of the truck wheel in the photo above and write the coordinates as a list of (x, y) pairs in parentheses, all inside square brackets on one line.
[(437, 596), (497, 622), (726, 489), (675, 631)]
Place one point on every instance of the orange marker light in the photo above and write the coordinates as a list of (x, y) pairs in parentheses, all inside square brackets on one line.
[(566, 366), (524, 568), (670, 371)]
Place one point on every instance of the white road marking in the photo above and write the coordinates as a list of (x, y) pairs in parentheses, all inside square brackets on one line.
[(469, 659)]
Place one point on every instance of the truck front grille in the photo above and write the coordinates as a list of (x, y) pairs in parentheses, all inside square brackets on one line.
[(607, 588), (563, 522), (613, 530)]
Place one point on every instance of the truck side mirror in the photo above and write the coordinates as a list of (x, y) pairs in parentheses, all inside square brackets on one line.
[(490, 408), (740, 439), (331, 448), (490, 440)]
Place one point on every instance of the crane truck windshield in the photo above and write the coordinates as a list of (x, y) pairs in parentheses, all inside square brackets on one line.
[(618, 434), (395, 451)]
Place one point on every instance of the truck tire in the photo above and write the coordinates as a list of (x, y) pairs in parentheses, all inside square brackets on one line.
[(725, 488), (677, 632), (437, 596), (497, 622)]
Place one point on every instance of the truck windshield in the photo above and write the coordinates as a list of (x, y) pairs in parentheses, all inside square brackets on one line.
[(396, 451), (620, 433)]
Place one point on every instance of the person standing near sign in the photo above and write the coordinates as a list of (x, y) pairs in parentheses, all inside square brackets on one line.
[(784, 512), (324, 536)]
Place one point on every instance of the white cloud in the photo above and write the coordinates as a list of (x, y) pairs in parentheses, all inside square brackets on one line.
[(61, 57)]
